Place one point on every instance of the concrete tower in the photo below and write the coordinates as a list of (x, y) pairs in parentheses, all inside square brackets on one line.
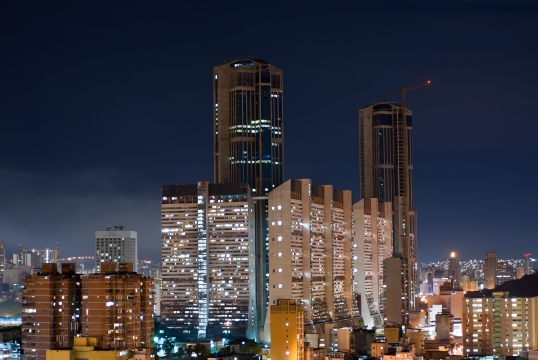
[(382, 152), (248, 131)]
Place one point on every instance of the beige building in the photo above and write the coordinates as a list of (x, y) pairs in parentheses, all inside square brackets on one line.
[(310, 249), (451, 300), (287, 331), (372, 244), (499, 325), (118, 307), (85, 348), (377, 349)]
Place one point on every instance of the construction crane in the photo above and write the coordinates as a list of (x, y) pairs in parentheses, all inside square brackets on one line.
[(409, 279)]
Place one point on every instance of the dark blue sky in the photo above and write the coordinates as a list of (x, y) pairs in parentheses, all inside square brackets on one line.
[(103, 102)]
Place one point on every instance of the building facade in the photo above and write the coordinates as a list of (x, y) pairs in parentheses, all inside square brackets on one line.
[(386, 161), (372, 244), (248, 119), (499, 325), (394, 304), (248, 124), (117, 306), (287, 330), (51, 310), (208, 260), (116, 245), (310, 250)]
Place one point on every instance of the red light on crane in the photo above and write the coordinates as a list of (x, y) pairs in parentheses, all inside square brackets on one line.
[(429, 81)]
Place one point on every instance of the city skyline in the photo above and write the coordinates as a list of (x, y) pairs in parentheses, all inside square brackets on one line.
[(75, 91)]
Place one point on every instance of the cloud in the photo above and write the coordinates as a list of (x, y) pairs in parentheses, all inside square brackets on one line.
[(41, 208)]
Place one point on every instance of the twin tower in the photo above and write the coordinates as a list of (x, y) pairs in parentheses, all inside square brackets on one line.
[(233, 247)]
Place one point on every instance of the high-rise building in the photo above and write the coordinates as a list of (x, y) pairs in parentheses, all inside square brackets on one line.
[(287, 330), (207, 260), (114, 306), (454, 269), (386, 173), (51, 310), (372, 244), (490, 270), (2, 262), (248, 120), (117, 306), (310, 250), (499, 324), (116, 245), (248, 124)]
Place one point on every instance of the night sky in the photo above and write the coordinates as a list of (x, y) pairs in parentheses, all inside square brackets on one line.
[(102, 102)]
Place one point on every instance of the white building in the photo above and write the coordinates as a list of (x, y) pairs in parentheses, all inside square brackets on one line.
[(372, 244), (310, 250), (116, 245), (208, 260)]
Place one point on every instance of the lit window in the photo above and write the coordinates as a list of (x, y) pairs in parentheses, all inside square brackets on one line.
[(280, 238), (279, 254), (280, 286)]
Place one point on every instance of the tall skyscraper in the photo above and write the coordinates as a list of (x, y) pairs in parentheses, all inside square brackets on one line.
[(248, 124), (116, 245), (207, 260), (248, 132), (454, 269), (310, 250), (386, 165), (490, 270), (372, 244)]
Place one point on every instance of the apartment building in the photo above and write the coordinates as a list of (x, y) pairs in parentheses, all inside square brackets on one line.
[(118, 307), (310, 250), (499, 324)]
